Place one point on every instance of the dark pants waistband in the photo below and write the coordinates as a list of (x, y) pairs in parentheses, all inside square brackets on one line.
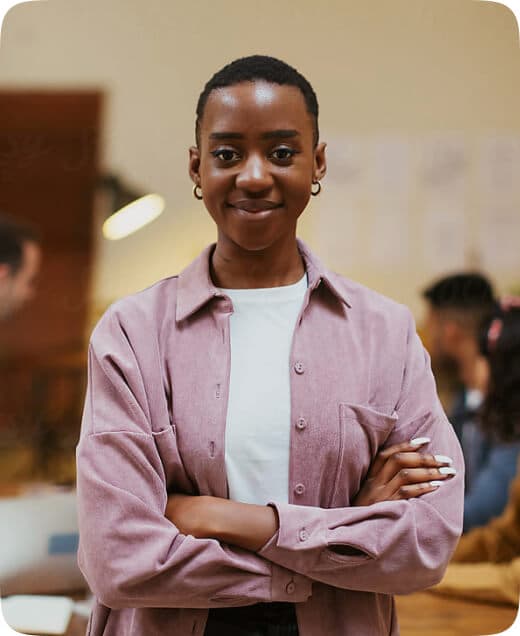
[(258, 614)]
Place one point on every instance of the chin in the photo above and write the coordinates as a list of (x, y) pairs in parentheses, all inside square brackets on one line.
[(253, 244), (252, 241)]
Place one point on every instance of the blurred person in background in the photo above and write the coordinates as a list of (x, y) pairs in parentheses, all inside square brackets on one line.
[(20, 256), (487, 559), (458, 306)]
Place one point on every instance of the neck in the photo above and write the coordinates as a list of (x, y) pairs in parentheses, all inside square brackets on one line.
[(234, 267)]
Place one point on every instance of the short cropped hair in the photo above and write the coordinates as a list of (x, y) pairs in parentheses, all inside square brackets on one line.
[(470, 295), (259, 68), (13, 236)]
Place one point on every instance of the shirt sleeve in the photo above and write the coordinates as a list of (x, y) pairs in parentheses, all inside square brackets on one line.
[(390, 547), (488, 496), (130, 554)]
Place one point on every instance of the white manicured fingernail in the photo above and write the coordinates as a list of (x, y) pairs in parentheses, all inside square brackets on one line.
[(419, 441), (447, 470), (443, 459), (435, 483)]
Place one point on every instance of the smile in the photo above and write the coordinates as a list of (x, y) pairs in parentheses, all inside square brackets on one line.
[(251, 206)]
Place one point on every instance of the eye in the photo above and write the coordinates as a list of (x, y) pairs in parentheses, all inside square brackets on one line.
[(226, 155), (283, 154)]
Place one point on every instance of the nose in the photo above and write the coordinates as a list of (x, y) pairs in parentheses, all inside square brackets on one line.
[(254, 175)]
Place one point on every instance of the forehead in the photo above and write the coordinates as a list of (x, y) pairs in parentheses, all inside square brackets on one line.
[(256, 105)]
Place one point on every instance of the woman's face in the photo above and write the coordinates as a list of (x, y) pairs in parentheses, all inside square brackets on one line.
[(256, 162)]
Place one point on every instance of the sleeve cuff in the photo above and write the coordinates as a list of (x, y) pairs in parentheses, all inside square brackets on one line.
[(289, 586), (300, 538)]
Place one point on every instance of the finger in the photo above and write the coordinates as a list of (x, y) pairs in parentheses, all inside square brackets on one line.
[(411, 476), (400, 461), (402, 447), (416, 490), (417, 460), (384, 454)]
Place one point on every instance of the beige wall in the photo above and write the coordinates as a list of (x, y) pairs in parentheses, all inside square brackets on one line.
[(399, 82)]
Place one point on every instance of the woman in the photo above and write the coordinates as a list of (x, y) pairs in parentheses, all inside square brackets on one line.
[(256, 389)]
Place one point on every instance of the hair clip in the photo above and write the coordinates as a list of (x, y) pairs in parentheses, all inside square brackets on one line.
[(494, 331)]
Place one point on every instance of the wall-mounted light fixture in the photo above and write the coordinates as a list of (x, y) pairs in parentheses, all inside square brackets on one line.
[(130, 209)]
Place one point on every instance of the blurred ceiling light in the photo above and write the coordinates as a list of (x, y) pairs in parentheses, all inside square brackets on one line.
[(130, 210)]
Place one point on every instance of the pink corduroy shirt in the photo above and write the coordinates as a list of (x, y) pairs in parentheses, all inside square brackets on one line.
[(154, 423)]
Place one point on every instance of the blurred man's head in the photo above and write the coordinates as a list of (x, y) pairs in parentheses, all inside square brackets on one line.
[(20, 257), (457, 306)]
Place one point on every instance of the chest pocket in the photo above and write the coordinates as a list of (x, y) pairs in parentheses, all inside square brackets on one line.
[(363, 430)]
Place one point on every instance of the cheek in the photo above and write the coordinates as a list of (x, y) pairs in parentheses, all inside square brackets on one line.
[(214, 182), (297, 191)]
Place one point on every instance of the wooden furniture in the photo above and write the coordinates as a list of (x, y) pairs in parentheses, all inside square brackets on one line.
[(427, 614)]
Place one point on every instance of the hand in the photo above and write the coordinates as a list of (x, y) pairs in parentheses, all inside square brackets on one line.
[(400, 472)]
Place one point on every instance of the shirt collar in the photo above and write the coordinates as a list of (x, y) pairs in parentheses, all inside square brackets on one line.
[(195, 287)]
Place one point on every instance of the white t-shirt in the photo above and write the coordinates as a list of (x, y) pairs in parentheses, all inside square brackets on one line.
[(258, 422)]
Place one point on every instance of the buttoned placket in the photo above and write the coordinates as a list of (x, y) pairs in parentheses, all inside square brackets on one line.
[(297, 489), (223, 313), (297, 373)]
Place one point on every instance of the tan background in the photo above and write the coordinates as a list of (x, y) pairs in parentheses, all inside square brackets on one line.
[(400, 74)]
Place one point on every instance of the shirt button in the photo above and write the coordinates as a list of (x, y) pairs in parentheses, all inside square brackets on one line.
[(303, 535), (290, 587), (301, 423), (299, 367), (299, 489)]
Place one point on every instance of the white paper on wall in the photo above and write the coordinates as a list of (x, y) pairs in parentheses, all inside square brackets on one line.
[(444, 234), (443, 163), (498, 171), (345, 163), (443, 173), (499, 202), (389, 179), (336, 227), (390, 233), (500, 235), (390, 167)]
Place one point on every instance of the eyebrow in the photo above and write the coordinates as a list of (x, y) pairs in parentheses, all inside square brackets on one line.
[(270, 134)]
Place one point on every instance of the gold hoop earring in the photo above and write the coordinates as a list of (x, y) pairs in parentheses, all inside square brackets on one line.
[(197, 194), (316, 192)]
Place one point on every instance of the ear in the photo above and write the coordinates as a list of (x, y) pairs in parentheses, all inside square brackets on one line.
[(320, 161), (194, 165)]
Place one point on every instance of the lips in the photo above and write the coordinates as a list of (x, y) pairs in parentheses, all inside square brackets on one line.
[(254, 205)]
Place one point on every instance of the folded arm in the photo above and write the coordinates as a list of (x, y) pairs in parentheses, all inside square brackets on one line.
[(130, 553), (396, 546), (392, 546), (389, 547)]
